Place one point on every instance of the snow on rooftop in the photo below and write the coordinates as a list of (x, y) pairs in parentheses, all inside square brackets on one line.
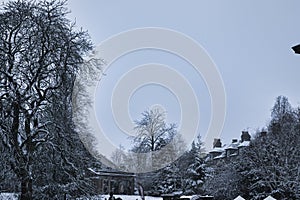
[(244, 144), (191, 197), (223, 155), (233, 145), (269, 198), (239, 198), (186, 197), (227, 150), (217, 149)]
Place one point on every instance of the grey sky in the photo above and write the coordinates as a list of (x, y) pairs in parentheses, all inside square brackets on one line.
[(248, 40)]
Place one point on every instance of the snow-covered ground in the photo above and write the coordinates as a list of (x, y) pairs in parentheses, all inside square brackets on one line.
[(13, 196), (8, 196), (123, 197), (132, 197)]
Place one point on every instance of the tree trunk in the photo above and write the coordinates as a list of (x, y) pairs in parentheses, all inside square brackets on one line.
[(26, 185)]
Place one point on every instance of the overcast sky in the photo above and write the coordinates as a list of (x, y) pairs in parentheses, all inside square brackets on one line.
[(249, 41)]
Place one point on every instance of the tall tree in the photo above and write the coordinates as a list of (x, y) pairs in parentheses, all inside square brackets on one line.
[(195, 172), (154, 138), (40, 53), (275, 157), (152, 131)]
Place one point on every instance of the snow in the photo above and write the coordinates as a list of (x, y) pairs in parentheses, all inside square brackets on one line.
[(192, 197), (9, 196), (220, 156), (186, 197), (132, 197), (239, 198), (269, 198), (233, 145), (244, 144), (92, 170), (217, 149), (126, 197)]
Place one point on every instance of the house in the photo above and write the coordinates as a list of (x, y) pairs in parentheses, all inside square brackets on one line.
[(220, 151), (109, 180)]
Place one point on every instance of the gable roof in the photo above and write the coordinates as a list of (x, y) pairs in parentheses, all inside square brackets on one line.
[(239, 198), (269, 198)]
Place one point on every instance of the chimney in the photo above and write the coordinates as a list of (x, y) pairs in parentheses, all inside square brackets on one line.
[(234, 140), (217, 143), (245, 136), (263, 133)]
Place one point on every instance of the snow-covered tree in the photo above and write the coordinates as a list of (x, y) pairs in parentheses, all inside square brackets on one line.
[(275, 157), (185, 175), (196, 172), (156, 143), (152, 132), (40, 52), (223, 180), (168, 180), (269, 166)]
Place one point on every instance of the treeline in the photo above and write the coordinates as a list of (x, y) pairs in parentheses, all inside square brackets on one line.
[(160, 158), (269, 166)]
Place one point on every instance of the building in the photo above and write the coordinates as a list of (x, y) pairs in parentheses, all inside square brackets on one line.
[(109, 180), (220, 151)]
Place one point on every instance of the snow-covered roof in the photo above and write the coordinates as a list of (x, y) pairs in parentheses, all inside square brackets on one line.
[(217, 149), (239, 198), (233, 154), (186, 197), (233, 145), (192, 197), (223, 155), (270, 198), (110, 173), (226, 150), (244, 144), (177, 192)]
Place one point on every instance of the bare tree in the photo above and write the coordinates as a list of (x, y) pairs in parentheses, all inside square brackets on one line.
[(39, 54), (156, 143), (152, 131)]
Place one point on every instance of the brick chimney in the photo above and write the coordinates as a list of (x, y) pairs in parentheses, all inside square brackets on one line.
[(217, 143), (263, 133), (245, 136)]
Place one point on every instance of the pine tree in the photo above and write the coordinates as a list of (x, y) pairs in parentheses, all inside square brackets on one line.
[(196, 171)]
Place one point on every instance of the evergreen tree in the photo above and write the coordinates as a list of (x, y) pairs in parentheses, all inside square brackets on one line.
[(169, 180), (195, 172)]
